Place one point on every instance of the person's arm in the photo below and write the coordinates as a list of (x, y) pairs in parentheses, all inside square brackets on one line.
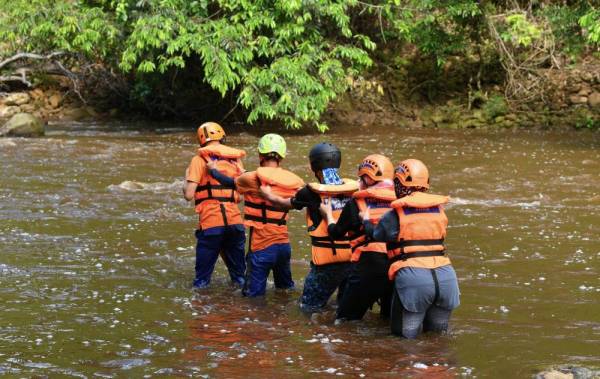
[(386, 230), (267, 194), (193, 175), (347, 221), (222, 178)]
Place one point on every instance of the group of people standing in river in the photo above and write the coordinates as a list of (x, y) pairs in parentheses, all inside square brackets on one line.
[(379, 238)]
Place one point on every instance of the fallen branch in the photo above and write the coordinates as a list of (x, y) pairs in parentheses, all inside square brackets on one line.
[(19, 56)]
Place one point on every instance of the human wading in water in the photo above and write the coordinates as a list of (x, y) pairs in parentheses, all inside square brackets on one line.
[(220, 229), (330, 263), (269, 245), (368, 281), (426, 289)]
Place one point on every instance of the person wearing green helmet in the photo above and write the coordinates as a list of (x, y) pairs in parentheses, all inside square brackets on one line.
[(269, 247)]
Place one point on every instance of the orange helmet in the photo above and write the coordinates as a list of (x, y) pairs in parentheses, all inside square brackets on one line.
[(413, 173), (210, 131), (376, 167)]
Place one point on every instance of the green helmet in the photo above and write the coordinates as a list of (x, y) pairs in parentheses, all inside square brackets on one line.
[(272, 143)]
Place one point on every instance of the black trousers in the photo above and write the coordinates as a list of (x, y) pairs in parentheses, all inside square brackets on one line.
[(367, 283)]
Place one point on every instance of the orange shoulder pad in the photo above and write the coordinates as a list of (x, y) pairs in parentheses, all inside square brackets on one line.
[(350, 186), (420, 200), (277, 176), (222, 151), (386, 194)]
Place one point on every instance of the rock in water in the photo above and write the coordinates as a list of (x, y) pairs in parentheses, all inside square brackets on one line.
[(23, 125)]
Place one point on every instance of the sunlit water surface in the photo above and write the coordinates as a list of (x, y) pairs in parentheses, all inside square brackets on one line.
[(97, 255)]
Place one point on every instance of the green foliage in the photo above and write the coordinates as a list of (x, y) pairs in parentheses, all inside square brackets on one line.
[(591, 22), (283, 60), (287, 60), (564, 22), (587, 122), (495, 106), (437, 28), (521, 31), (43, 26)]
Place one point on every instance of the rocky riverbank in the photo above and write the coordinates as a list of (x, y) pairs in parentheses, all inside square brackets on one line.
[(571, 99), (48, 105)]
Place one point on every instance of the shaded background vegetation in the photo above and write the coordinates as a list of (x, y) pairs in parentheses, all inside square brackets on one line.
[(287, 60)]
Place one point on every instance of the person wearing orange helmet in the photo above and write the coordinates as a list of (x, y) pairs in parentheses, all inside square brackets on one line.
[(426, 288), (220, 229), (368, 281)]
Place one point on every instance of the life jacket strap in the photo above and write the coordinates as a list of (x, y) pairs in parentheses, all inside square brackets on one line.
[(264, 206), (419, 254), (218, 198), (407, 243), (326, 242), (263, 217), (266, 220), (209, 187), (362, 243)]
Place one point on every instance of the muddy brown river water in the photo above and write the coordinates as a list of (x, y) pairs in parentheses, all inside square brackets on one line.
[(97, 254)]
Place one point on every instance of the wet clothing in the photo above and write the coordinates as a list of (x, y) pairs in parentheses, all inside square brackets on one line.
[(276, 257), (322, 280), (212, 212), (417, 288), (228, 241), (423, 297), (367, 281), (220, 231), (268, 245), (409, 324)]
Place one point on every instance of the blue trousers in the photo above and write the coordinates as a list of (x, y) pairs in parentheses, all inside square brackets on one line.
[(229, 242), (259, 263), (321, 282)]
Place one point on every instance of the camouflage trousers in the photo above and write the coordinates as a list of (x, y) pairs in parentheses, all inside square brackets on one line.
[(321, 282)]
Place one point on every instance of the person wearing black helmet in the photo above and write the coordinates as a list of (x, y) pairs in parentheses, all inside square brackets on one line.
[(330, 263)]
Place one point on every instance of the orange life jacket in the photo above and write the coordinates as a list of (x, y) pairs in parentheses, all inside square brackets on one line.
[(324, 249), (423, 224), (259, 212), (377, 201), (215, 202)]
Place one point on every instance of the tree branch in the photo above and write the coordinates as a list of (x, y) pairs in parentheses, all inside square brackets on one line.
[(19, 56)]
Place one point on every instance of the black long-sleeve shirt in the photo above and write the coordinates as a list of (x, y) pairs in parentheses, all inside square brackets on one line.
[(349, 221), (386, 230)]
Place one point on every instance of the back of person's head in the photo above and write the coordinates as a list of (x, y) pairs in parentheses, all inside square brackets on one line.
[(272, 147), (409, 176), (210, 131)]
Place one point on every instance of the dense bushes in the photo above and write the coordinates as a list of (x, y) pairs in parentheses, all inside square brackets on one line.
[(283, 59)]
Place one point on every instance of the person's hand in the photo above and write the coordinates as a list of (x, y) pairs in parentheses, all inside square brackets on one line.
[(325, 208), (240, 166), (365, 215), (266, 191), (211, 164)]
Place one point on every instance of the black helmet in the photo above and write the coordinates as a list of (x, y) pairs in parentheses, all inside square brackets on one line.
[(324, 155)]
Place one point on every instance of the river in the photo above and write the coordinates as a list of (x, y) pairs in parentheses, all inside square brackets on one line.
[(97, 255)]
